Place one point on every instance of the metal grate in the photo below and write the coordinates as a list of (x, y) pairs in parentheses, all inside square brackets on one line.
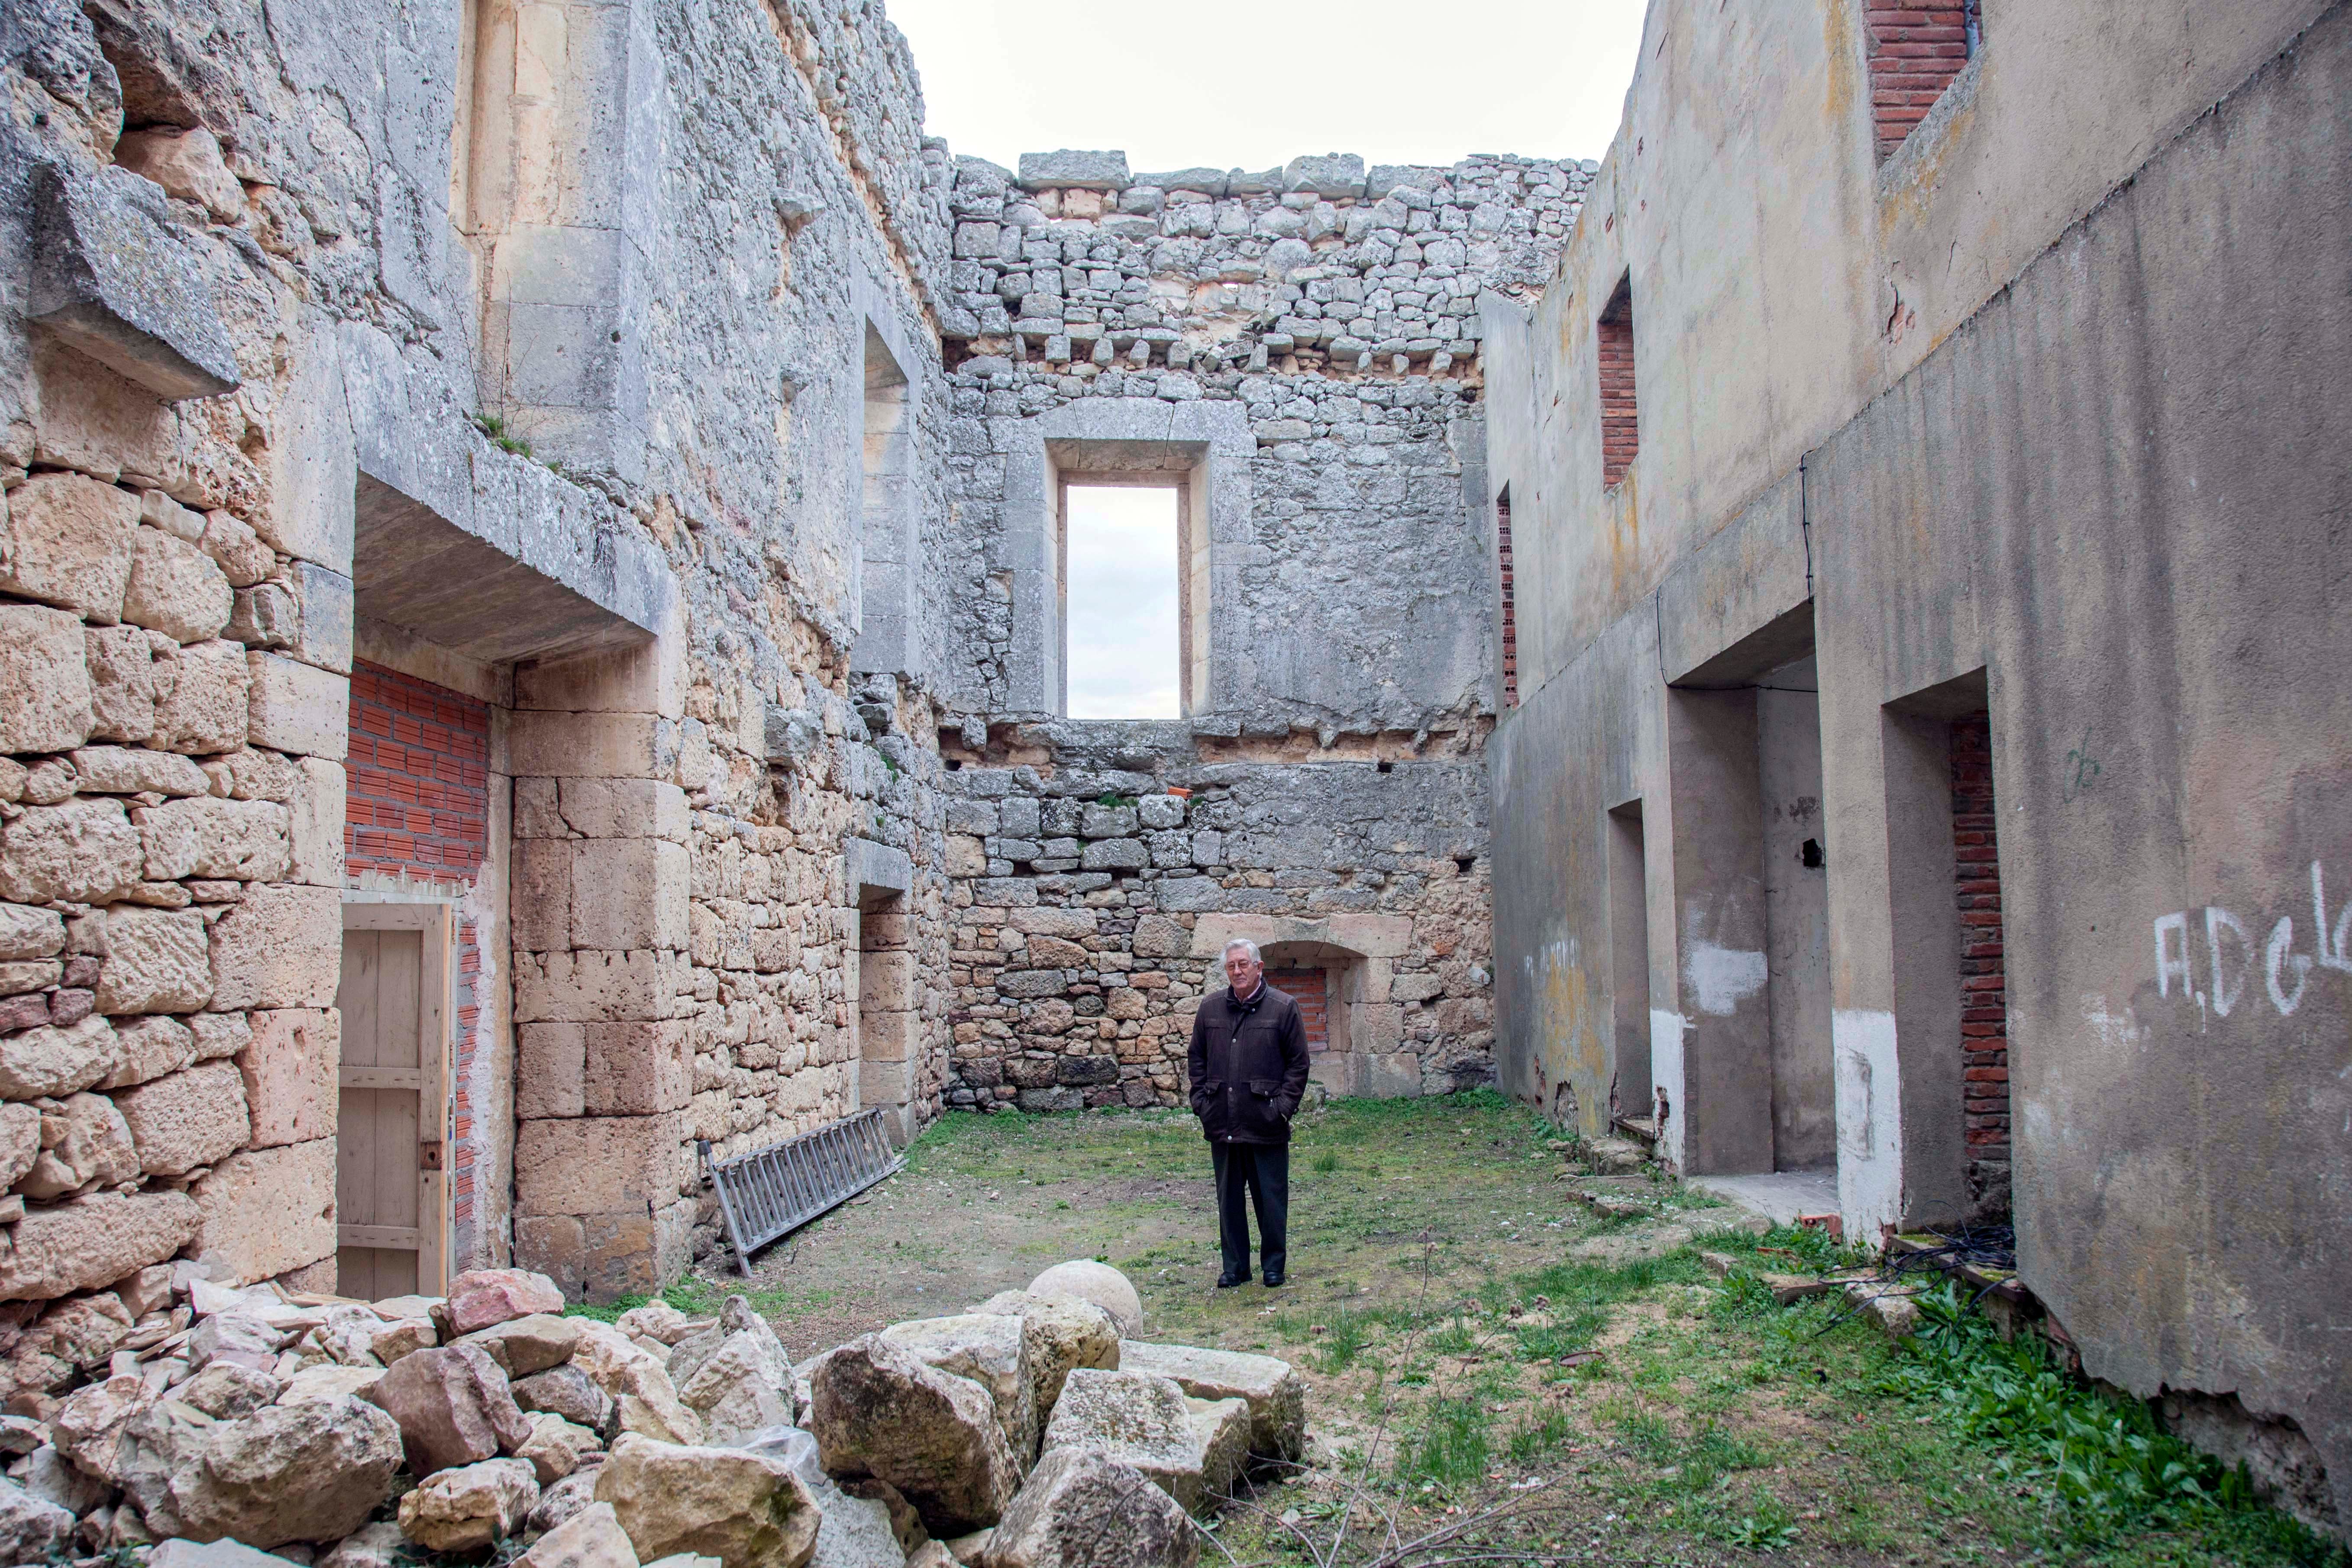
[(776, 1189)]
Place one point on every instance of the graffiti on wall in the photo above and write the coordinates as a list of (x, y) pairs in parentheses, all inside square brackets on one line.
[(2238, 965)]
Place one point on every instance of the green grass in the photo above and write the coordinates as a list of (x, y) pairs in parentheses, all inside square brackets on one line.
[(1701, 1422)]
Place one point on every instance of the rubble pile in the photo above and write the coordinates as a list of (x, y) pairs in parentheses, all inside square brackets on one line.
[(246, 1427)]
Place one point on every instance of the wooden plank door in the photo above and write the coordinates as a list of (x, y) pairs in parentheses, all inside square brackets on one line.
[(391, 1199)]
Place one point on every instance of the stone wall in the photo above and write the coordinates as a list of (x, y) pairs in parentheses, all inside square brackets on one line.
[(1097, 884), (1303, 344)]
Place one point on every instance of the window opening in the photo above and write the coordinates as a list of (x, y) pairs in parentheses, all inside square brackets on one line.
[(1510, 619), (1621, 428), (1123, 605), (1915, 51)]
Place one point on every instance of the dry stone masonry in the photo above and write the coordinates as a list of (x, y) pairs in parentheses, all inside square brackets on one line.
[(675, 412)]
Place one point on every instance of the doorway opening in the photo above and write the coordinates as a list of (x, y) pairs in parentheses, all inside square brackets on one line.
[(1123, 601), (1632, 1099)]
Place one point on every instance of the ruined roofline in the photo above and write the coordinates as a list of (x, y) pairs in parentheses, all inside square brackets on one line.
[(1333, 175)]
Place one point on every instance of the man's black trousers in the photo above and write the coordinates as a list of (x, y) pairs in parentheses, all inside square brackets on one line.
[(1258, 1174)]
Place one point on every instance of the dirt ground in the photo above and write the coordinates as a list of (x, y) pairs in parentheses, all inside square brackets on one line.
[(1494, 1372)]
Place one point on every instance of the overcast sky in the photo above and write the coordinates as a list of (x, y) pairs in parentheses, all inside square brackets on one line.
[(1399, 81), (1122, 603)]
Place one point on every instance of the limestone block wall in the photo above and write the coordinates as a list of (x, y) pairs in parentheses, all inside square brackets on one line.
[(1337, 307), (1098, 879)]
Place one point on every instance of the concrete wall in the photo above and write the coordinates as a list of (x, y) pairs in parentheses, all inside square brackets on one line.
[(2042, 417)]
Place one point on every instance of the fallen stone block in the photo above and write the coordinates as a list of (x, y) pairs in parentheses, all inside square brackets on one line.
[(1275, 1394), (235, 1338), (86, 1427), (469, 1507), (1136, 1418), (568, 1392), (182, 1553), (403, 1337), (51, 1477), (378, 1545), (659, 1320), (1221, 1441), (1890, 1307), (591, 1536), (646, 1401), (1082, 1508), (525, 1345), (483, 1298), (1063, 1333), (453, 1407), (854, 1531), (226, 1390), (747, 1510), (734, 1375), (331, 1381), (566, 1499), (878, 1409), (556, 1447), (1101, 1283), (308, 1472), (159, 1441), (990, 1350)]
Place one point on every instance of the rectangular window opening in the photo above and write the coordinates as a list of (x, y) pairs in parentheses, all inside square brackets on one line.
[(1510, 618), (1621, 426), (1124, 602), (1917, 48)]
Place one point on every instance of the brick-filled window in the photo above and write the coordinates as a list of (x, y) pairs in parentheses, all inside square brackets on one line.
[(1620, 425), (1916, 50), (1306, 986), (1984, 1016), (1510, 618), (418, 807)]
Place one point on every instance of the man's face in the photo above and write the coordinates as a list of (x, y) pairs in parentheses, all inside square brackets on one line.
[(1242, 972)]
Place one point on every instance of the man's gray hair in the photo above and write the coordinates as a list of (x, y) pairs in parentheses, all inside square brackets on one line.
[(1246, 945)]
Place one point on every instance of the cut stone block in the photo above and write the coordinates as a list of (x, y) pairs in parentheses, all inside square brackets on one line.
[(175, 588), (44, 692), (990, 1350), (289, 1072), (157, 961), (69, 544), (1087, 1510), (80, 852), (878, 1409), (268, 1211), (279, 947), (187, 1120), (1135, 1418), (110, 279), (93, 1240)]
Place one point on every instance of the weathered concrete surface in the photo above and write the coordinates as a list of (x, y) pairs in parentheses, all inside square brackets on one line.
[(1882, 430)]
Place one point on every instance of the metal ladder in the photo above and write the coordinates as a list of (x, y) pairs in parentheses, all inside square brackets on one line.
[(779, 1188)]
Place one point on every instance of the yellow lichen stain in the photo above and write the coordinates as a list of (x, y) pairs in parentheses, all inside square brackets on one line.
[(1572, 1046), (1843, 49)]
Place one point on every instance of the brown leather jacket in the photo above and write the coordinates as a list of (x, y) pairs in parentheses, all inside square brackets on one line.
[(1248, 1066)]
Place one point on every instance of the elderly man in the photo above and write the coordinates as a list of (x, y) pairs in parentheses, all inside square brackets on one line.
[(1249, 1070)]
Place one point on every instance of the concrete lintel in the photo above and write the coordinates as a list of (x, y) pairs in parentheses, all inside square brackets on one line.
[(569, 582), (1741, 605)]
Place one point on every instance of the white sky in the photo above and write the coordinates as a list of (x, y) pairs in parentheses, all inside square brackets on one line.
[(1123, 647), (1250, 87)]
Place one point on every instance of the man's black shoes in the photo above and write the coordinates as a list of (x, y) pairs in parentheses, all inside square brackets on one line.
[(1227, 1280), (1274, 1278)]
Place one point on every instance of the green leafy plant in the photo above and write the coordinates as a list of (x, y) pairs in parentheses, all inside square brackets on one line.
[(2099, 1457), (1114, 799), (505, 440)]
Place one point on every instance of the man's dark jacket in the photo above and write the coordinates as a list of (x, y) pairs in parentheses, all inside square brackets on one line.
[(1248, 1066)]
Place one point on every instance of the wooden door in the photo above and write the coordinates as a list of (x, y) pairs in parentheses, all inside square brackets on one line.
[(391, 1199)]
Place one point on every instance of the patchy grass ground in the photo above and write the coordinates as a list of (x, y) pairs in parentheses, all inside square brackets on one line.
[(1500, 1377)]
